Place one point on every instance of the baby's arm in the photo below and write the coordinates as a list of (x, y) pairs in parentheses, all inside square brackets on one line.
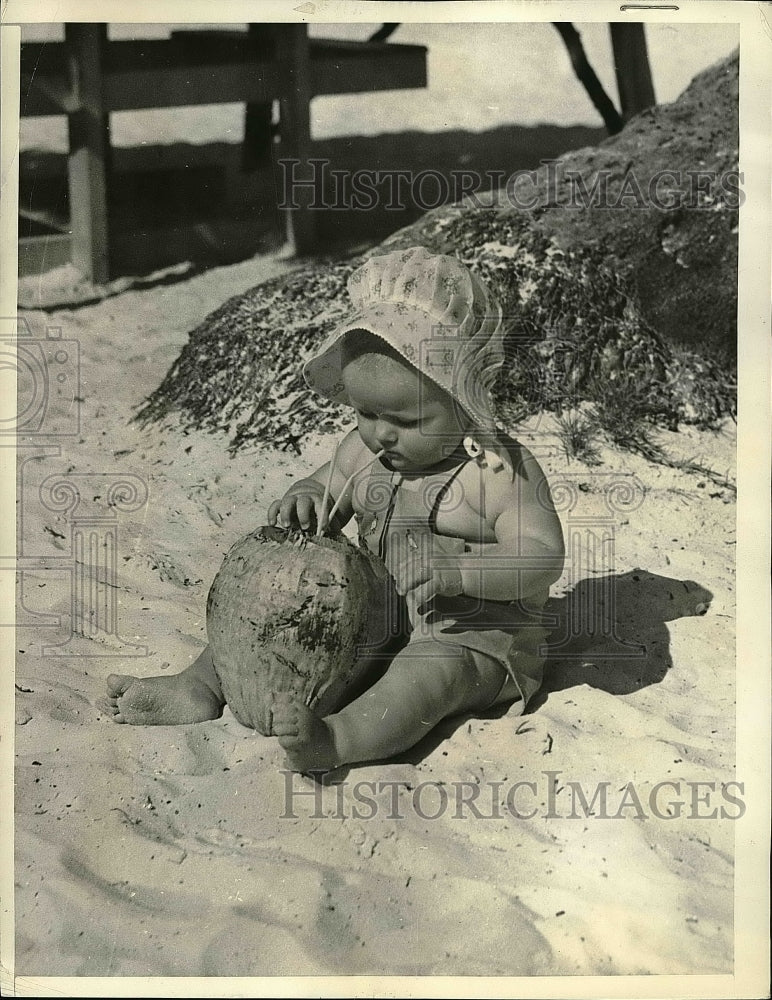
[(528, 553), (301, 505), (526, 557)]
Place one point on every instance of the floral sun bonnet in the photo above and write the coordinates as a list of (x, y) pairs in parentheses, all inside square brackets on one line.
[(436, 314)]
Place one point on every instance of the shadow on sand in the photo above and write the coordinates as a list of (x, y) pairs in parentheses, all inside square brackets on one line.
[(634, 651)]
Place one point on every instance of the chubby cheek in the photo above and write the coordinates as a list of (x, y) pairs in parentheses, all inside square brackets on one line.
[(421, 444), (366, 433), (415, 442), (432, 437)]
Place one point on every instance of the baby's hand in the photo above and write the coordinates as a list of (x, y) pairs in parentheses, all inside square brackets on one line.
[(301, 506), (415, 572)]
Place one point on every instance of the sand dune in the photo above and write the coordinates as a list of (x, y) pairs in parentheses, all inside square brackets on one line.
[(187, 851)]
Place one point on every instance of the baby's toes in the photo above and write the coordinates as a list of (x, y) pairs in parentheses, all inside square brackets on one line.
[(284, 721), (284, 715), (284, 727), (117, 684), (107, 706), (281, 703)]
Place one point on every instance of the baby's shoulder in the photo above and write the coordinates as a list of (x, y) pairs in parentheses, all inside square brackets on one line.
[(510, 474), (518, 458)]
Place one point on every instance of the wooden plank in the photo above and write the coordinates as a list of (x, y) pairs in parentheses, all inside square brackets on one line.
[(295, 131), (87, 78), (206, 48), (88, 164), (45, 86), (152, 73), (162, 88), (172, 87), (171, 73), (364, 67), (48, 220)]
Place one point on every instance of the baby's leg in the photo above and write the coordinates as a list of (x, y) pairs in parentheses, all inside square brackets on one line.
[(191, 696), (424, 683)]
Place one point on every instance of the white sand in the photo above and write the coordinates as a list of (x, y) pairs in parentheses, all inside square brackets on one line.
[(163, 851)]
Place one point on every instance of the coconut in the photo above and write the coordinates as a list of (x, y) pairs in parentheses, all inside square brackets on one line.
[(292, 613)]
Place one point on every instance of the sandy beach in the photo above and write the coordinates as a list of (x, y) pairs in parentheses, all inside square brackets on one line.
[(190, 851)]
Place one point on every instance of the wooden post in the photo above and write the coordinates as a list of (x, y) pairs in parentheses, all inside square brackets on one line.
[(385, 31), (258, 135), (587, 76), (295, 130), (88, 164), (631, 63)]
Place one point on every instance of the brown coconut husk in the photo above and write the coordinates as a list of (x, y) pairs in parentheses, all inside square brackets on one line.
[(292, 613)]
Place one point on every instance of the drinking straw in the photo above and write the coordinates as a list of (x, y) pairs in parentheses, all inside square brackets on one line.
[(346, 485), (323, 519)]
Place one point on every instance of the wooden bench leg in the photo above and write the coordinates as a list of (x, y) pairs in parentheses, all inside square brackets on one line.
[(258, 134), (631, 63), (258, 137), (296, 130), (88, 164)]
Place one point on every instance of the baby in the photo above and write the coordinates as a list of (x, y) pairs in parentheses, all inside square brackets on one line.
[(460, 512)]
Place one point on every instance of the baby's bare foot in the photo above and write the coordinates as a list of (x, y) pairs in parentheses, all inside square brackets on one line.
[(159, 701), (306, 738)]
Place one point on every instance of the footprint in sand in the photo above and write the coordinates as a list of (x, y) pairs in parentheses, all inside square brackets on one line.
[(22, 715), (215, 836), (54, 701)]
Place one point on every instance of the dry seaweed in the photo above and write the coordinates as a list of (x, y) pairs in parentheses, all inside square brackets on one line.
[(574, 334), (630, 311)]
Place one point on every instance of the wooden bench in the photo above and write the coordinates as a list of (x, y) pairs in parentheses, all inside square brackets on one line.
[(87, 77)]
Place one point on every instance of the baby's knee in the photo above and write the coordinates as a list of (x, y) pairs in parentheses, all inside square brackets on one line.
[(447, 672)]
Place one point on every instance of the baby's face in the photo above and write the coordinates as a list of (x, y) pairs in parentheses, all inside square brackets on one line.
[(410, 417)]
